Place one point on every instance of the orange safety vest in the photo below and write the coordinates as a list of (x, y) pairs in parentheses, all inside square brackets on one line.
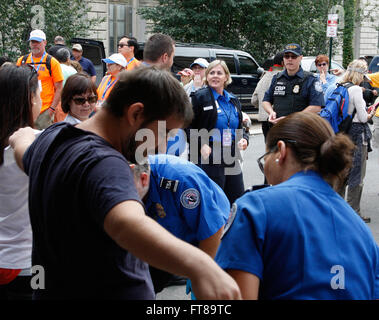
[(132, 63), (105, 87)]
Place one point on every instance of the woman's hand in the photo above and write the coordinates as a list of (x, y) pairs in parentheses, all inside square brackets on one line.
[(205, 151), (242, 144)]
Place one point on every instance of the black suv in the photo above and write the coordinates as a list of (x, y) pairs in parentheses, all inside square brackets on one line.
[(374, 65), (244, 70)]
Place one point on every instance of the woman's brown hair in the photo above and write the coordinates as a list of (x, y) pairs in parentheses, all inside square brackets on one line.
[(315, 146)]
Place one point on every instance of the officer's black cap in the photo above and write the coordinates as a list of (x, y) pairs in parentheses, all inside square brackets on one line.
[(293, 48)]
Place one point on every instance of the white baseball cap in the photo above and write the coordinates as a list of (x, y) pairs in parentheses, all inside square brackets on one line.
[(201, 62), (37, 35), (117, 58), (77, 47)]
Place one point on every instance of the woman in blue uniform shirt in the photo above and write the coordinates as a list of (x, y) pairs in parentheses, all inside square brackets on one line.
[(219, 112), (298, 239)]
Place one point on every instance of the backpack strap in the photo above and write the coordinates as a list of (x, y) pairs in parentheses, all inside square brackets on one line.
[(47, 61), (24, 58)]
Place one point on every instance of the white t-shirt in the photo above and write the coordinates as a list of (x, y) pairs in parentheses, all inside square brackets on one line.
[(15, 228)]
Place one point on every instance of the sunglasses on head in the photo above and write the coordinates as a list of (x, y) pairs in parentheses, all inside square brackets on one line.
[(322, 64), (82, 100)]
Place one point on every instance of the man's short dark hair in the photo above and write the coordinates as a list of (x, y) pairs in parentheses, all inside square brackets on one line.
[(156, 46), (278, 59), (159, 92), (62, 55)]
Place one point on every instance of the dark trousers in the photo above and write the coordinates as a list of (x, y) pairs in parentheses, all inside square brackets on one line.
[(18, 289), (232, 184)]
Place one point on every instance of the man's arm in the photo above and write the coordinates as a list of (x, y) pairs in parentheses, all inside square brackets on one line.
[(314, 109), (93, 79), (57, 96), (20, 142), (131, 229)]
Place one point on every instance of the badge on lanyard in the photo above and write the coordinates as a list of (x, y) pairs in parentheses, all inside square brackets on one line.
[(227, 137)]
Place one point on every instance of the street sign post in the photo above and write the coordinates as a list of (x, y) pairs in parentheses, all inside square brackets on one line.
[(331, 32)]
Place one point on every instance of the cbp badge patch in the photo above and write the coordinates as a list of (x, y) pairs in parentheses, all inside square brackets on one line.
[(190, 198)]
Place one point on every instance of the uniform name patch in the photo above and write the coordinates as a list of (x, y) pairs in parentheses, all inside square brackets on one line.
[(169, 184), (190, 198)]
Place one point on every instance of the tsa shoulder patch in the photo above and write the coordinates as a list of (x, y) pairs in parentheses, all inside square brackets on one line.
[(190, 198), (232, 216), (169, 184)]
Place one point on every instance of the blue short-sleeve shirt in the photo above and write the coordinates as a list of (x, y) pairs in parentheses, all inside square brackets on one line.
[(303, 241), (184, 200)]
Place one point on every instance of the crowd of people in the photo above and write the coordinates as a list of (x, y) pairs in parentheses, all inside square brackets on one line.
[(85, 195)]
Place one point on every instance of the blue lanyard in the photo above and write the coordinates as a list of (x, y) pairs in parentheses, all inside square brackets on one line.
[(108, 86), (40, 62)]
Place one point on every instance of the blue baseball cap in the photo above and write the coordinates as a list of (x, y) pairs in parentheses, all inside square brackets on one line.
[(293, 48)]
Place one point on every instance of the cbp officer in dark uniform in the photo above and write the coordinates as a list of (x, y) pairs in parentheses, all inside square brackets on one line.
[(293, 89)]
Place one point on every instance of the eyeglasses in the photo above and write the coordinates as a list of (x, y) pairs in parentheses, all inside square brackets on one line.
[(322, 64), (121, 45), (261, 159), (292, 56), (82, 100)]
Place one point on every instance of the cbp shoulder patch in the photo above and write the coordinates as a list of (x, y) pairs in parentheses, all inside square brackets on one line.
[(169, 184), (232, 215), (190, 198)]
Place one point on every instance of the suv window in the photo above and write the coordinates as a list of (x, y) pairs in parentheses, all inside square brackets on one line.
[(229, 60), (181, 62), (247, 65)]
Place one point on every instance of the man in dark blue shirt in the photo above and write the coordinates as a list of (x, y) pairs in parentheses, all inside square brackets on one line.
[(87, 65), (293, 89)]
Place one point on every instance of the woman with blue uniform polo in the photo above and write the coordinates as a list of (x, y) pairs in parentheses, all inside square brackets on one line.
[(298, 239), (219, 113)]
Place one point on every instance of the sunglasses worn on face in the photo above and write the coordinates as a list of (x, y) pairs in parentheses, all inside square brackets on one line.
[(292, 56), (121, 45), (81, 100), (322, 64)]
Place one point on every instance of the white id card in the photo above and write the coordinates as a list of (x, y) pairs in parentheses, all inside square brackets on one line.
[(227, 137)]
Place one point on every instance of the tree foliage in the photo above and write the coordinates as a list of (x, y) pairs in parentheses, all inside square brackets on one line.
[(19, 17), (348, 32), (261, 27)]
